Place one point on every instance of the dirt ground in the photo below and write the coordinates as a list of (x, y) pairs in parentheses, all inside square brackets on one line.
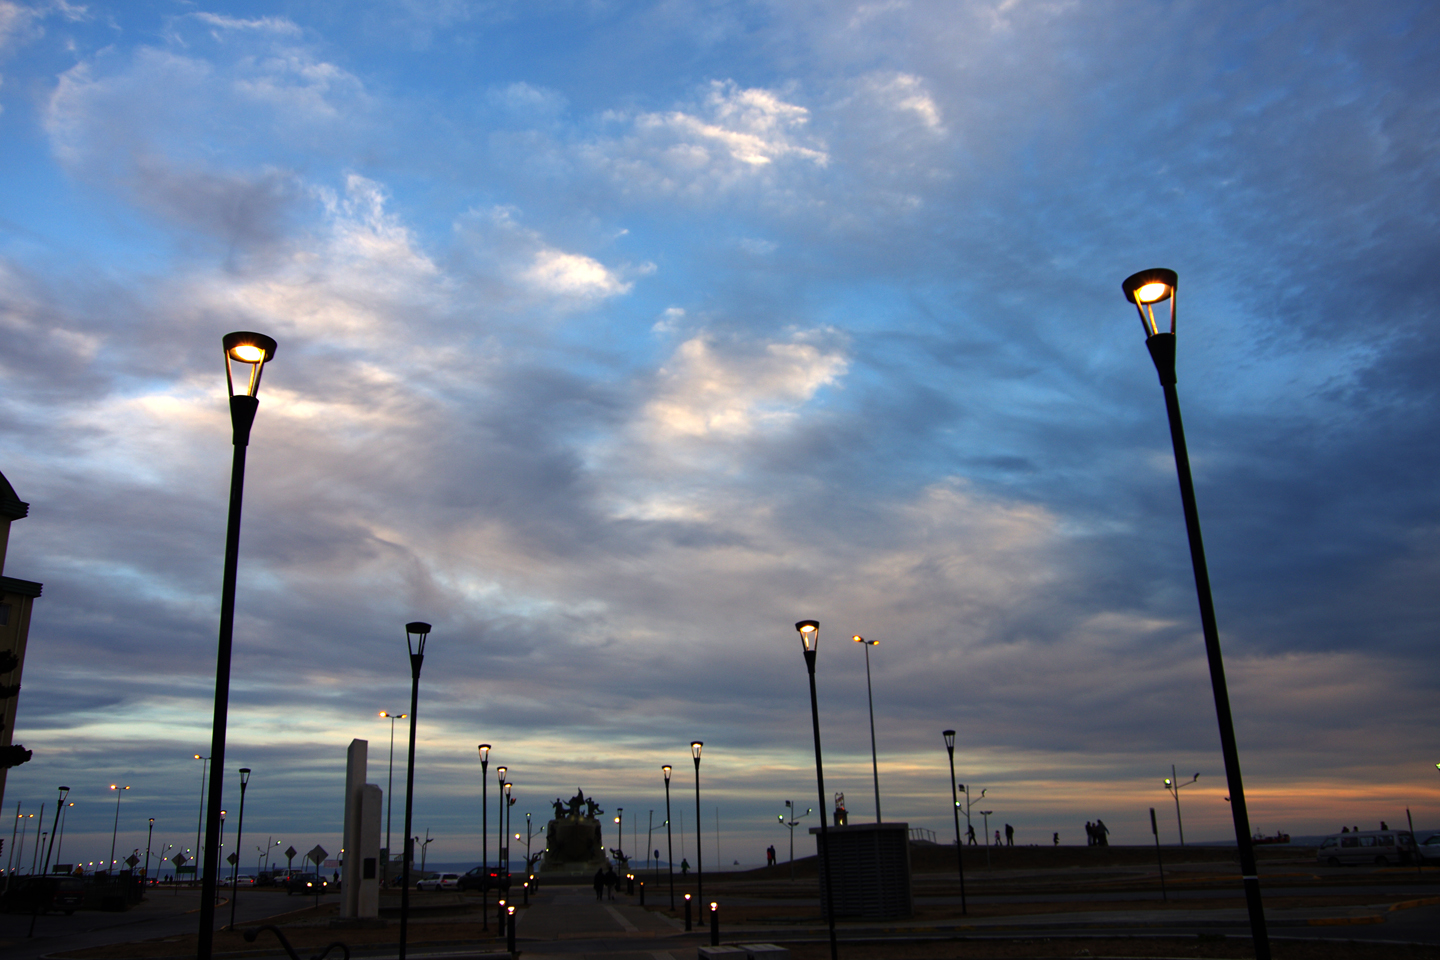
[(1153, 948)]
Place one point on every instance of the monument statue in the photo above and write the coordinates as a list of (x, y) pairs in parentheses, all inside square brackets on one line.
[(572, 839)]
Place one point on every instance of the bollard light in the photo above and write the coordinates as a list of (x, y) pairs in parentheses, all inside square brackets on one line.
[(687, 913), (714, 924)]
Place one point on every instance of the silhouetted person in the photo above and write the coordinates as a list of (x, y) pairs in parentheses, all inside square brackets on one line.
[(1344, 829), (1101, 833), (611, 881), (1383, 826), (1057, 839), (599, 884), (1089, 834), (970, 832), (684, 867), (1009, 835), (770, 855)]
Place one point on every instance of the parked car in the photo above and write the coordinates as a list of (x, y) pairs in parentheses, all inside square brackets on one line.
[(1429, 849), (305, 883), (1382, 847), (439, 881), (484, 878)]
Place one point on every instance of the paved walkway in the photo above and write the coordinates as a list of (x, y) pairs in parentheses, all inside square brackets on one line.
[(569, 923)]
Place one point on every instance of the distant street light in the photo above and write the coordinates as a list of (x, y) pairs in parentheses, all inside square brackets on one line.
[(484, 749), (870, 697), (390, 785), (253, 350), (809, 642), (54, 830), (416, 633), (119, 792), (986, 815), (620, 830), (792, 823), (949, 736), (239, 832), (509, 802), (1145, 290), (695, 746), (65, 812), (149, 835), (1173, 786), (199, 818), (669, 837)]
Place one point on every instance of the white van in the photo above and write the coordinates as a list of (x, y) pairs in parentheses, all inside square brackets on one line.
[(1382, 847)]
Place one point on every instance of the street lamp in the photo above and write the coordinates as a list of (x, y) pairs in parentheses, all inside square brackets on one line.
[(509, 802), (1173, 785), (416, 633), (59, 847), (949, 736), (620, 829), (500, 773), (239, 832), (986, 815), (199, 817), (252, 350), (149, 835), (54, 830), (670, 838), (390, 785), (809, 642), (870, 696), (695, 746), (792, 823), (119, 792), (484, 835), (1146, 289)]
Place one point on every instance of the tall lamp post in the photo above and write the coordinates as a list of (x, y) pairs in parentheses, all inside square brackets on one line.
[(199, 817), (252, 350), (484, 834), (620, 829), (509, 802), (390, 785), (54, 829), (1173, 785), (239, 833), (149, 835), (60, 847), (792, 823), (695, 746), (949, 736), (416, 633), (809, 642), (669, 837), (500, 773), (1145, 290), (119, 792), (870, 696)]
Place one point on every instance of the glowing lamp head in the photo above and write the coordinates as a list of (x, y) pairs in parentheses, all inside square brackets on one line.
[(809, 634), (695, 746), (666, 770), (1147, 288), (500, 773), (251, 349)]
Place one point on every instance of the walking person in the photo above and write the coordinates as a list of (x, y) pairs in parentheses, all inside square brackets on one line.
[(684, 867), (1009, 835), (599, 884), (970, 831), (611, 881), (1101, 833)]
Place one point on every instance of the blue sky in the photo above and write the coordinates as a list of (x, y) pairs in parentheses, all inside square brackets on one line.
[(616, 337)]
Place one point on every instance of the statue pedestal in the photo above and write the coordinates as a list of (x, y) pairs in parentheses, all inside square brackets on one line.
[(572, 848)]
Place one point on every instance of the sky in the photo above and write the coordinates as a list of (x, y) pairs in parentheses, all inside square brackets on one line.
[(616, 337)]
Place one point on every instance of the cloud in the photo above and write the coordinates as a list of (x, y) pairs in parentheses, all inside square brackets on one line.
[(704, 393)]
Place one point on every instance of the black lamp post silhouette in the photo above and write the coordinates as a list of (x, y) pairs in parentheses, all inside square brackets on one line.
[(500, 773), (949, 736), (253, 350), (239, 833), (509, 802), (119, 792), (55, 825), (484, 834), (870, 698), (669, 836), (1145, 290), (809, 642), (416, 633), (199, 819), (1173, 785), (695, 746), (390, 784)]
